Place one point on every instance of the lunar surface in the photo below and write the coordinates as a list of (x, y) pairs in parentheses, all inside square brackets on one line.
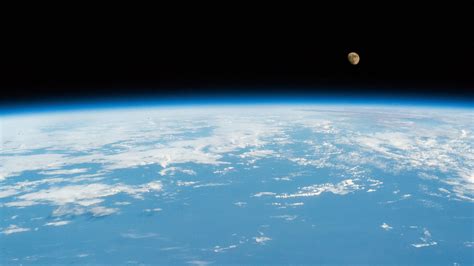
[(353, 58)]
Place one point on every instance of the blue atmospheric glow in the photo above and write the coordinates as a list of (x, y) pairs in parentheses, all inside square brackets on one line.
[(205, 100)]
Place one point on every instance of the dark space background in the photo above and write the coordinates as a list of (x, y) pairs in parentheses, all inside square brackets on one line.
[(72, 60)]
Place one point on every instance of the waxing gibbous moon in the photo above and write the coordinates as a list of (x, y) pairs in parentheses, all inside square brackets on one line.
[(353, 58)]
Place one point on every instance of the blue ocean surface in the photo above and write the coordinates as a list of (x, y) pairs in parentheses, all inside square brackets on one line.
[(238, 184)]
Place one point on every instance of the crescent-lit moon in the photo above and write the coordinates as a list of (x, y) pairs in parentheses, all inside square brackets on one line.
[(354, 58)]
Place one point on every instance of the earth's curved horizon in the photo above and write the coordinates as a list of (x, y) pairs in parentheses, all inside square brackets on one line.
[(276, 183)]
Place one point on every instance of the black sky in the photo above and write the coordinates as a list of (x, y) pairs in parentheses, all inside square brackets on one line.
[(56, 61)]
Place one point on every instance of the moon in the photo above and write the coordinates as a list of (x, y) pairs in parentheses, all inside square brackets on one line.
[(353, 58)]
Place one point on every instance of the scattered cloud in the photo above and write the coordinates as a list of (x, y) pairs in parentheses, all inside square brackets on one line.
[(100, 211), (342, 188), (153, 210), (199, 262), (386, 227), (64, 171), (12, 229), (85, 195), (240, 204), (219, 249), (173, 170), (260, 194), (262, 239), (122, 203), (57, 223), (138, 235), (180, 183), (286, 217), (425, 240), (211, 185)]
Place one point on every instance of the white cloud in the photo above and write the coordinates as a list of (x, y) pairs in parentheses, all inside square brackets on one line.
[(153, 210), (138, 235), (57, 223), (342, 188), (23, 203), (122, 203), (90, 202), (174, 170), (444, 190), (65, 210), (180, 183), (12, 229), (386, 227), (240, 204), (199, 262), (261, 239), (423, 245), (64, 171), (100, 211), (296, 204), (219, 249), (286, 217), (85, 195), (211, 185), (74, 210), (254, 155), (260, 194), (224, 171), (8, 192), (426, 240)]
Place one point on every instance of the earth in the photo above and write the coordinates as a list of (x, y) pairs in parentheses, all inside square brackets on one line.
[(238, 184)]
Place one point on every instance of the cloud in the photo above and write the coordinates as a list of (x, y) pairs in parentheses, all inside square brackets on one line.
[(469, 244), (153, 210), (254, 155), (88, 194), (211, 185), (64, 171), (8, 192), (423, 245), (118, 145), (224, 171), (386, 227), (12, 229), (342, 188), (122, 203), (57, 223), (261, 239), (100, 211), (219, 249), (180, 183), (240, 204), (174, 170), (426, 240), (286, 217), (260, 194), (199, 262), (75, 210), (296, 204), (68, 210), (138, 235)]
